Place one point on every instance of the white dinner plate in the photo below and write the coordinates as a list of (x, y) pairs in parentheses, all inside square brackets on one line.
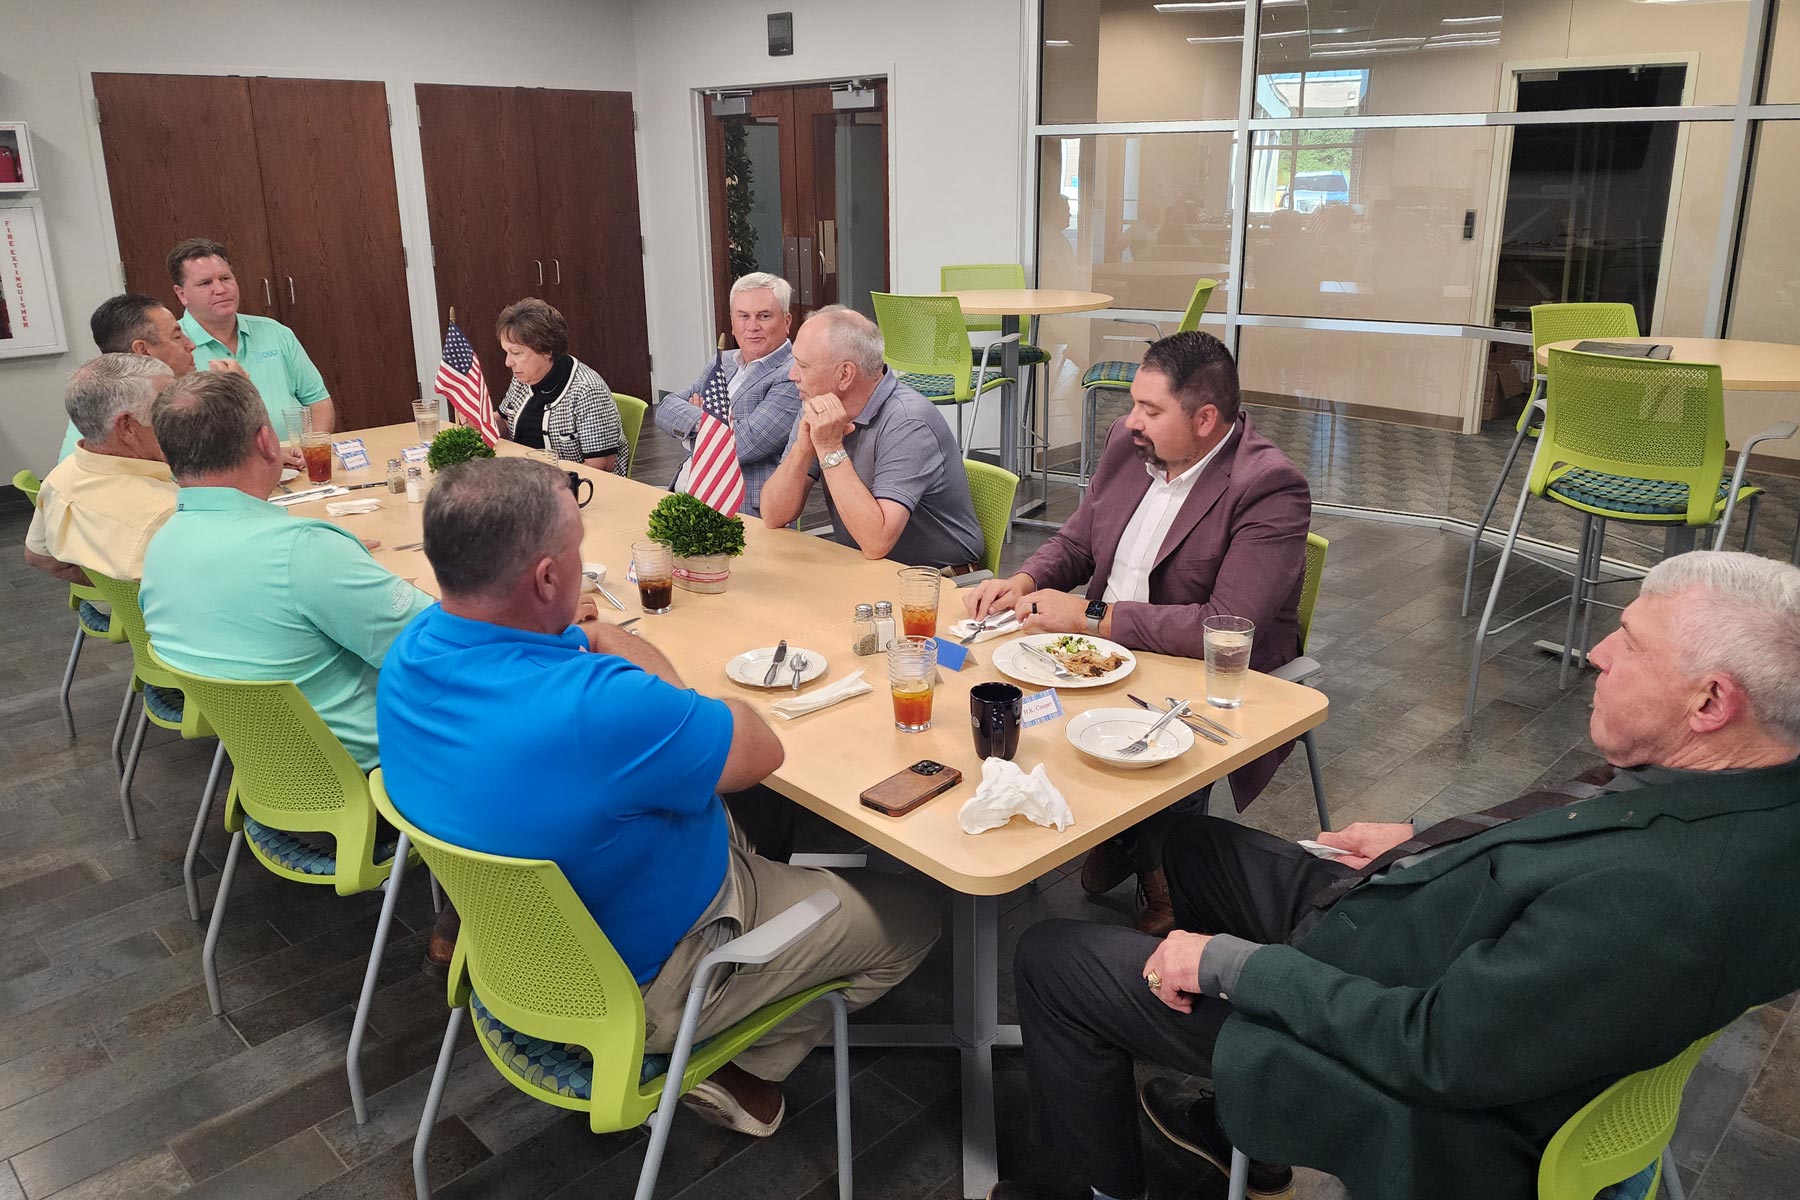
[(289, 474), (1010, 660), (749, 667), (1102, 732)]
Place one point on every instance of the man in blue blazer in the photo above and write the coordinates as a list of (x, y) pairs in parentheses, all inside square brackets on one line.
[(764, 402)]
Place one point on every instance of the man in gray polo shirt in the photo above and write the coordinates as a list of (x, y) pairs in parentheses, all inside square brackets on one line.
[(893, 473)]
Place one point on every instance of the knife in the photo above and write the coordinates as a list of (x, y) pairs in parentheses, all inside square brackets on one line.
[(1204, 732), (1000, 621), (1226, 730), (775, 663)]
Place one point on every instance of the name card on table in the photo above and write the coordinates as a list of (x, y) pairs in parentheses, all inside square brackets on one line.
[(951, 655), (413, 454), (352, 455), (1040, 707)]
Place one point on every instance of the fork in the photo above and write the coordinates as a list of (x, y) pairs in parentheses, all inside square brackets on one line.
[(798, 665), (1143, 743), (1060, 671), (982, 626)]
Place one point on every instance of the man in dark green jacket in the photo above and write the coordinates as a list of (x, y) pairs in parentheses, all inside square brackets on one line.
[(1419, 1016)]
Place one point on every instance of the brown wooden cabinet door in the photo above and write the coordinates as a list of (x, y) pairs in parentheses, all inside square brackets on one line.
[(181, 162), (334, 230), (588, 197), (481, 193)]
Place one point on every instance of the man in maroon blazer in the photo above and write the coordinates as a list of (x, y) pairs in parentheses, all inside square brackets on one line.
[(1190, 514)]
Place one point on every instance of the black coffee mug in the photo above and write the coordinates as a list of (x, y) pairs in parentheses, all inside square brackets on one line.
[(994, 711), (576, 483)]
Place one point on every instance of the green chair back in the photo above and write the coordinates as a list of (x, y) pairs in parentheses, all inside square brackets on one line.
[(121, 595), (1568, 322), (1203, 290), (289, 772), (631, 419), (1638, 418), (1316, 547), (992, 490), (981, 277), (926, 335), (1619, 1132), (29, 483)]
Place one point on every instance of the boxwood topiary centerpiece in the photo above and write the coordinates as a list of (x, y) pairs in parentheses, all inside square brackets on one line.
[(702, 539), (456, 444)]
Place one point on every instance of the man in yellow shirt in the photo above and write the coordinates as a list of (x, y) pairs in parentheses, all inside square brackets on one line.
[(100, 506)]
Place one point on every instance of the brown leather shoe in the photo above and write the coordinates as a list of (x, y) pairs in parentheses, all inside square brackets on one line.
[(1156, 911), (442, 945), (1107, 866)]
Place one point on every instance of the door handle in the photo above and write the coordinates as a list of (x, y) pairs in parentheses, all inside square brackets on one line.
[(806, 276), (828, 247), (268, 296), (557, 262), (540, 267), (291, 299)]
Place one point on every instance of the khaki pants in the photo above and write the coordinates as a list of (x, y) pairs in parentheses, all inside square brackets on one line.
[(882, 929)]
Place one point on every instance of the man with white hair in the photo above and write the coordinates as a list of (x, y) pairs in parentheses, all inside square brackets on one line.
[(1421, 1013), (99, 507), (894, 479), (764, 401)]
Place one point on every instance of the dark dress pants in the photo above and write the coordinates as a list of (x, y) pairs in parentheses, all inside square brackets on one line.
[(1086, 1012)]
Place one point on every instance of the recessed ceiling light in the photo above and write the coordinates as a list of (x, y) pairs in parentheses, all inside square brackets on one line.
[(1057, 42), (1434, 44), (1469, 20), (1224, 37), (1220, 5)]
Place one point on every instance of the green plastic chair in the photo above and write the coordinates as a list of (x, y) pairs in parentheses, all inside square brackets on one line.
[(90, 622), (162, 703), (1118, 376), (291, 775), (1549, 323), (1303, 669), (992, 490), (985, 329), (926, 342), (631, 419), (1626, 439), (559, 1014)]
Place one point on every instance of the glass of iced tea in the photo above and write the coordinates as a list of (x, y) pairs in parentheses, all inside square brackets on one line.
[(912, 673), (316, 449), (654, 567), (919, 591), (1228, 641)]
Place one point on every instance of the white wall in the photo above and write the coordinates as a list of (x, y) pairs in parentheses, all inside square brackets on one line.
[(542, 43), (957, 127)]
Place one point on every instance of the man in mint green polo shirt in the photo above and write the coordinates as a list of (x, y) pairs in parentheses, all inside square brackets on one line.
[(238, 588), (267, 350)]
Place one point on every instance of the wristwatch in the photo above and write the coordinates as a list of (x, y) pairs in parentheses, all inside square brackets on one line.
[(1096, 612), (833, 459)]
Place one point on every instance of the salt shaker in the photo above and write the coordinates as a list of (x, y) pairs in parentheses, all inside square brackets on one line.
[(862, 638), (884, 624), (415, 484)]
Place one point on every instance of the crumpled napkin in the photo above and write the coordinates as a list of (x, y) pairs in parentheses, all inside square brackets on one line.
[(960, 630), (850, 685), (350, 508), (1006, 790)]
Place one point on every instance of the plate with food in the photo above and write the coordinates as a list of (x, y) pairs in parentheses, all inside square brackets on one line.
[(1085, 661)]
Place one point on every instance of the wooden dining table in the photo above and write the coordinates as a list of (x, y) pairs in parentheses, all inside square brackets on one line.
[(802, 588), (1745, 366)]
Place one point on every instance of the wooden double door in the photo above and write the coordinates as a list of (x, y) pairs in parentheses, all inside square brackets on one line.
[(296, 178), (533, 192)]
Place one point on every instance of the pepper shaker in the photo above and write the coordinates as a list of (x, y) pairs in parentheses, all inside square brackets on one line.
[(862, 638)]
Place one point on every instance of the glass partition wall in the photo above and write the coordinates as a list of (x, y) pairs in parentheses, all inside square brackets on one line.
[(1382, 191)]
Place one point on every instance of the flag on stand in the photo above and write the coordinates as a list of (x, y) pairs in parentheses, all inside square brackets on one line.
[(459, 381), (715, 475)]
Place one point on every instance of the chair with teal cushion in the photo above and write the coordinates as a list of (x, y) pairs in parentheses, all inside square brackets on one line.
[(291, 777), (1549, 323), (631, 419), (926, 342), (992, 490), (1113, 376), (560, 1016)]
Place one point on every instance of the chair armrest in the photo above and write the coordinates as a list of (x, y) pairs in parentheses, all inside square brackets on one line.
[(973, 578), (1780, 431), (772, 937), (828, 860), (989, 349), (1299, 670), (1126, 337), (1136, 321)]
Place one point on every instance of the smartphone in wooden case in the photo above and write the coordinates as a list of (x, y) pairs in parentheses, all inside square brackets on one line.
[(904, 791)]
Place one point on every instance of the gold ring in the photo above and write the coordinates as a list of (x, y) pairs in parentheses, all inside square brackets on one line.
[(1154, 980)]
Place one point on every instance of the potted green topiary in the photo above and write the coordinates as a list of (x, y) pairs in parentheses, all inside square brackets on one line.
[(702, 540), (456, 444)]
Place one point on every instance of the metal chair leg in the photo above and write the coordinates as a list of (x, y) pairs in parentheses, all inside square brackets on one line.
[(68, 680), (207, 963), (119, 727), (1318, 782), (353, 1056), (1240, 1174), (131, 762), (1671, 1178), (840, 1050), (1090, 403), (193, 848), (1487, 513), (433, 1098), (1589, 586), (1575, 593), (437, 893), (1487, 612)]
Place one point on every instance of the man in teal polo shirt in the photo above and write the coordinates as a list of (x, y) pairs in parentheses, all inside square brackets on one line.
[(238, 588), (268, 350)]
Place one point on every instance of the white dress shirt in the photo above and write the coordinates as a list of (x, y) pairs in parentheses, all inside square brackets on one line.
[(1149, 525)]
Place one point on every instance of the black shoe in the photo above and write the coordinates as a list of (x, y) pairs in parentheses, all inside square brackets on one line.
[(1013, 1190), (1194, 1127)]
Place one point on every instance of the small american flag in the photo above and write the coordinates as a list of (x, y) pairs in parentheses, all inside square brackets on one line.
[(459, 381), (715, 475)]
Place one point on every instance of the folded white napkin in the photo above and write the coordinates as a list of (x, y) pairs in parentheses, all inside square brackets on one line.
[(850, 685), (308, 495), (962, 628), (349, 508), (1006, 790)]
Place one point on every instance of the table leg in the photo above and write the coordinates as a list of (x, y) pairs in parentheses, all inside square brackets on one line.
[(1009, 396), (975, 1021)]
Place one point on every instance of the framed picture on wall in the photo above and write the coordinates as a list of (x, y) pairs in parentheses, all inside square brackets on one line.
[(30, 314), (17, 172)]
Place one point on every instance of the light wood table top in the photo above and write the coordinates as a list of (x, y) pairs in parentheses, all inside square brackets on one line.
[(1746, 366), (1008, 302), (802, 588)]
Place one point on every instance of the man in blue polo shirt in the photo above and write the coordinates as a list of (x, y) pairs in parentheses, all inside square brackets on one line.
[(267, 350), (508, 730)]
